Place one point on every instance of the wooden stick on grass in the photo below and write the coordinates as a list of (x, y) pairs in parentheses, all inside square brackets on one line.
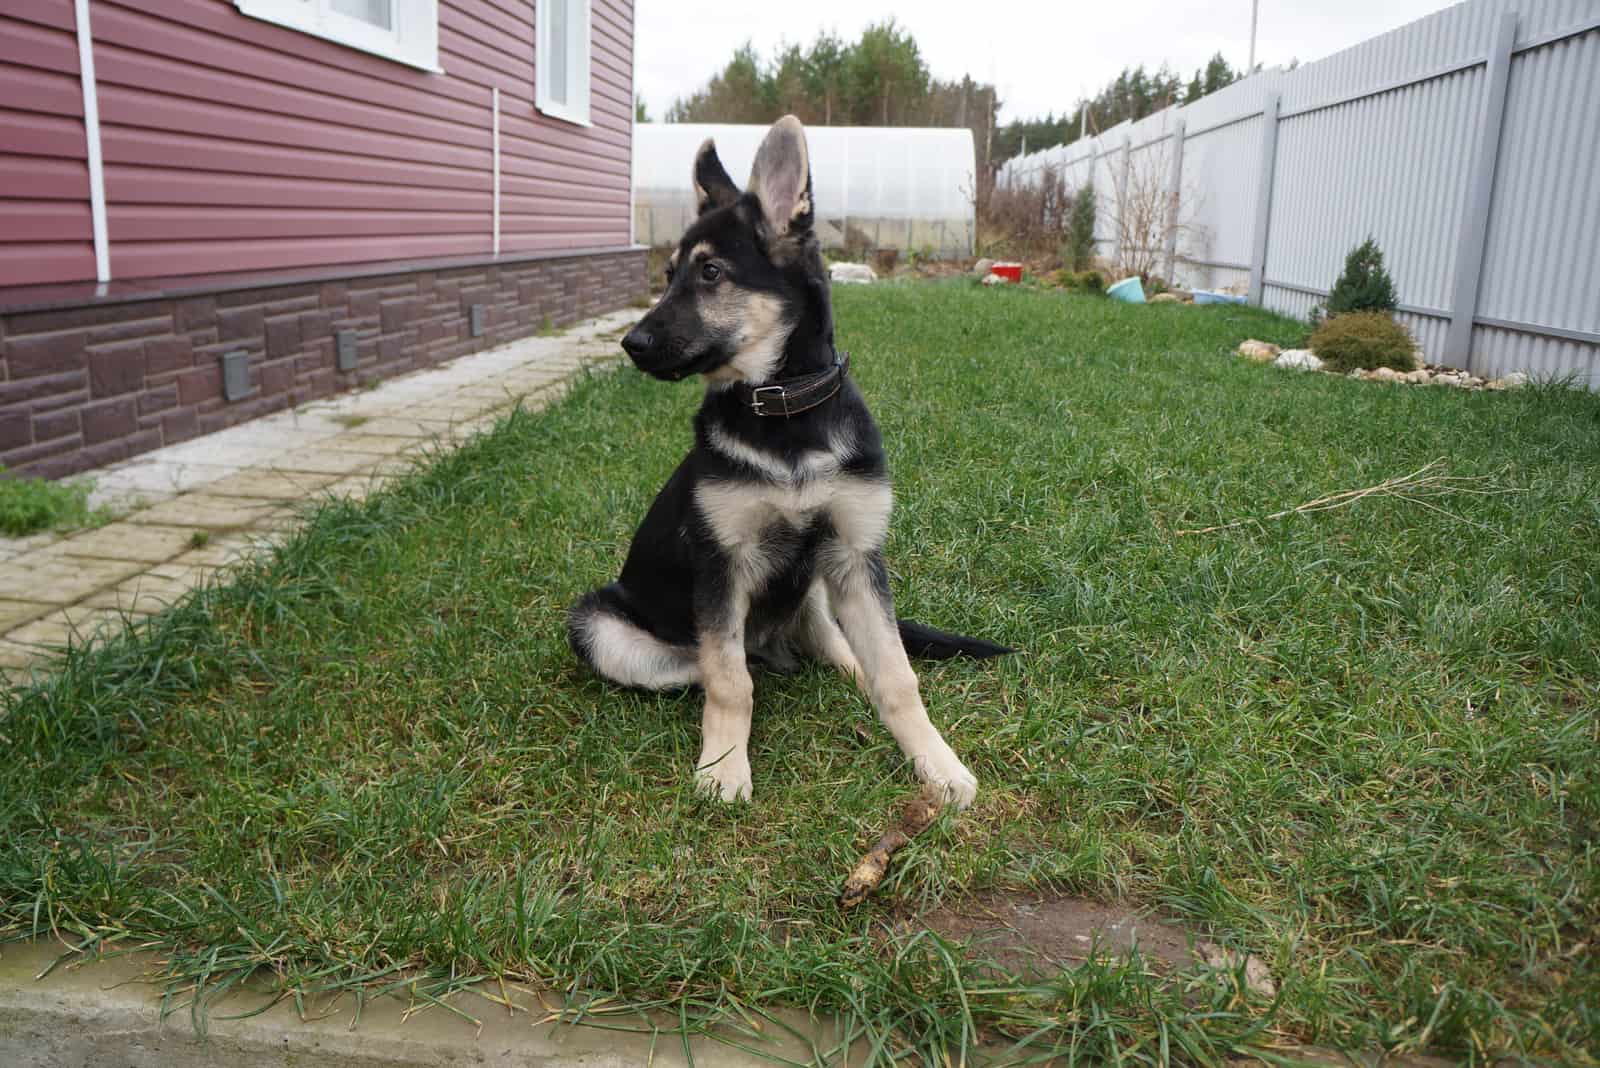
[(917, 816)]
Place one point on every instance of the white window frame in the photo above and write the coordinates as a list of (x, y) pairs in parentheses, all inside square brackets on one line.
[(414, 40), (580, 28)]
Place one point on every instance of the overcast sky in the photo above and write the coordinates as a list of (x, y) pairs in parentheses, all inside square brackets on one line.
[(1041, 54)]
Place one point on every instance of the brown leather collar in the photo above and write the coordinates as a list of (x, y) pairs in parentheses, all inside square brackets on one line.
[(795, 395)]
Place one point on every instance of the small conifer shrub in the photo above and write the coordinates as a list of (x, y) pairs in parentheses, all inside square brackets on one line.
[(1364, 285), (1080, 230), (1364, 340)]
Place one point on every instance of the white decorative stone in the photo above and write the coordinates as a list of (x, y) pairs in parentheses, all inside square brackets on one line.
[(1514, 380), (982, 267), (1298, 360), (852, 272)]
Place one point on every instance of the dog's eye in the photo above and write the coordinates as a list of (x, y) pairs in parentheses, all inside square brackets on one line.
[(669, 275), (710, 272)]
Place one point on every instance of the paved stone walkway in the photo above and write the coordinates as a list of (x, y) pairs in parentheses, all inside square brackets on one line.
[(189, 509)]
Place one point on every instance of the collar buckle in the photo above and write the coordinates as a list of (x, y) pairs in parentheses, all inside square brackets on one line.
[(758, 403)]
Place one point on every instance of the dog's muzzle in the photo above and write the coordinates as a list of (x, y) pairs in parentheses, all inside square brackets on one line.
[(652, 354), (638, 342)]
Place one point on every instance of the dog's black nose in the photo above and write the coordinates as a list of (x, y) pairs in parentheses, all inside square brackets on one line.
[(638, 341)]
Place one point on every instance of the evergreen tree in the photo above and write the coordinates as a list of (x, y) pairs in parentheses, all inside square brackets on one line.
[(787, 86), (1219, 75), (1364, 285), (737, 94), (1138, 94), (886, 75), (825, 70), (1080, 229), (881, 79)]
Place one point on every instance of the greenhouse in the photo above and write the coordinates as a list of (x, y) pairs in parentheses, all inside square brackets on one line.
[(901, 188)]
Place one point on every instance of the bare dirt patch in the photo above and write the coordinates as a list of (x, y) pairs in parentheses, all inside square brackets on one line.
[(1035, 935)]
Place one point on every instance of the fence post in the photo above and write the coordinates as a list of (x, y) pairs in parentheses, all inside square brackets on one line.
[(1269, 167), (1480, 195), (1174, 181), (1122, 198)]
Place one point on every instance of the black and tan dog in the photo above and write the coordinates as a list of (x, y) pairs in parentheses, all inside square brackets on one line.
[(766, 543)]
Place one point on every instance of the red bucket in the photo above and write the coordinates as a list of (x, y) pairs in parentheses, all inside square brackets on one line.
[(1011, 272)]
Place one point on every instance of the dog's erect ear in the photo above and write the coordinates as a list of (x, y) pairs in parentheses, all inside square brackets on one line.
[(712, 186), (781, 177)]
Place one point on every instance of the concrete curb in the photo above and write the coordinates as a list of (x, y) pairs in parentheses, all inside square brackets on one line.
[(108, 1013)]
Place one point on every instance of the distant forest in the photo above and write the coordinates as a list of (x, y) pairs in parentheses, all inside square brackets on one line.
[(882, 80)]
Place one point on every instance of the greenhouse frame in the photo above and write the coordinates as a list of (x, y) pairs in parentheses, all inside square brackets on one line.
[(905, 188)]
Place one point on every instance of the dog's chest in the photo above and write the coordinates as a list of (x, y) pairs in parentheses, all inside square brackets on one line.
[(756, 519)]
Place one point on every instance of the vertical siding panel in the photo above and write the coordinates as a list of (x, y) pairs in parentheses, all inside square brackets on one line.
[(1539, 264), (233, 144), (370, 160), (1346, 185), (1545, 226), (45, 230), (537, 151), (1394, 163)]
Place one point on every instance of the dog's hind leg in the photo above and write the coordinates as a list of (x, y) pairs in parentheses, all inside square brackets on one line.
[(859, 584), (600, 632), (820, 635)]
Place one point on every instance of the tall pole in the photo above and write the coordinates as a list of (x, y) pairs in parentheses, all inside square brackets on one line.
[(1255, 8)]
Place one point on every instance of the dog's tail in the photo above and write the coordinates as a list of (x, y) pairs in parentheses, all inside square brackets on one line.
[(926, 643)]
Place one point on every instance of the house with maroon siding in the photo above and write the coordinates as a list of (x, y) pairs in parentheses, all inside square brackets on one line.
[(215, 209)]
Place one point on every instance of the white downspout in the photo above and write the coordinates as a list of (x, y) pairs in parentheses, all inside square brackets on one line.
[(91, 134)]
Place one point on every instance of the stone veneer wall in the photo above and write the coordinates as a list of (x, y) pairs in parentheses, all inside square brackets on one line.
[(87, 385)]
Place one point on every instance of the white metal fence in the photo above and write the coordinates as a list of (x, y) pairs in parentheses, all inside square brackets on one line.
[(1467, 144)]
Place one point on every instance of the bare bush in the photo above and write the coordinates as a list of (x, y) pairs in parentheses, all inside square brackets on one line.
[(1145, 212), (1032, 216)]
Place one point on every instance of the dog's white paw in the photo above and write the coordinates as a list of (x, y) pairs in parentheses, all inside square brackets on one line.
[(945, 771), (727, 778)]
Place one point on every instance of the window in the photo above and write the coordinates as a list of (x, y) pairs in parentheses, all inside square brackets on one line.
[(561, 63), (406, 31)]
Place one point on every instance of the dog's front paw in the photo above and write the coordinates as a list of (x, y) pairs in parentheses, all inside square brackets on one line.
[(945, 772), (726, 776)]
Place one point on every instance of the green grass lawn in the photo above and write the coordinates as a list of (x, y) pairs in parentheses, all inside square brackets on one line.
[(1360, 745)]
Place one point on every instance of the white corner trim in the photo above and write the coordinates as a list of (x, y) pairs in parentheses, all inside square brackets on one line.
[(91, 136), (495, 105)]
